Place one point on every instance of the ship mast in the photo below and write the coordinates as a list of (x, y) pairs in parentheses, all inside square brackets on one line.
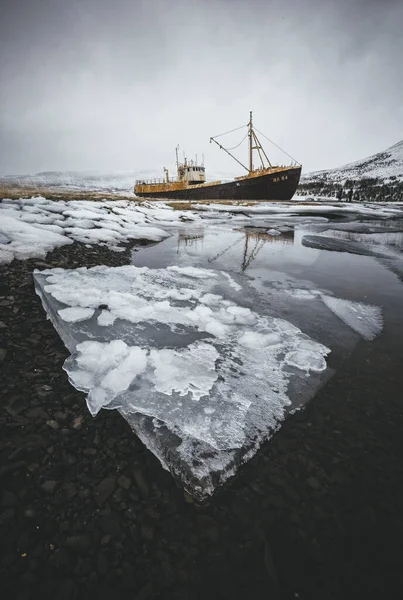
[(254, 144), (250, 143)]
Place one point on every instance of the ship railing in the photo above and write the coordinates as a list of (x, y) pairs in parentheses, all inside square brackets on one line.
[(156, 181)]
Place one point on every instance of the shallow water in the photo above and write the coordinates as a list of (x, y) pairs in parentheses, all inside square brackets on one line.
[(272, 261), (264, 256)]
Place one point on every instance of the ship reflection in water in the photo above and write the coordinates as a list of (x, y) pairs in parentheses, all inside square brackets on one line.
[(251, 242), (236, 248), (190, 238), (256, 239)]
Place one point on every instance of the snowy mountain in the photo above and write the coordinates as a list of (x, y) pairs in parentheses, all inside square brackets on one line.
[(379, 176)]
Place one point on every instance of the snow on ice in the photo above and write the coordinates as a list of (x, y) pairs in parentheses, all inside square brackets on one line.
[(201, 379), (32, 228)]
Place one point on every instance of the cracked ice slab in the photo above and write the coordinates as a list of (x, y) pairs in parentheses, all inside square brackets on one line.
[(201, 379), (365, 319), (335, 244)]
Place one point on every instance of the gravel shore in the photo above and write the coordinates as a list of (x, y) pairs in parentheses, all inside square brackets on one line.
[(87, 511)]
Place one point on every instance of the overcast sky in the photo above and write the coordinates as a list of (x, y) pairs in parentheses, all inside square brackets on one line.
[(116, 84)]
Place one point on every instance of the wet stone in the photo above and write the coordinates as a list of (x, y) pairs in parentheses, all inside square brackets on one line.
[(341, 477), (105, 540), (314, 483), (141, 483), (147, 533), (89, 451), (104, 489), (69, 491), (209, 528), (291, 493), (109, 523), (69, 459), (65, 590), (49, 486), (43, 390), (78, 422), (102, 563), (124, 482), (78, 543), (61, 417), (37, 413), (9, 499), (6, 516)]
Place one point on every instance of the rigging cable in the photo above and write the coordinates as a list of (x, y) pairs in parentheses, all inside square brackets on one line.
[(233, 147), (274, 144), (232, 130)]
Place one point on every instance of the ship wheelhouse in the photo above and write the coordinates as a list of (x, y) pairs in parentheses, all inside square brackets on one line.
[(191, 173)]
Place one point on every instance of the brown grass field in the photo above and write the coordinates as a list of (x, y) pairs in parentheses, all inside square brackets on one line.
[(15, 193)]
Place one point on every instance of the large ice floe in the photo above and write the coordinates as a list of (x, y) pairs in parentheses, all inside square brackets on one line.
[(32, 228), (337, 244), (324, 209), (201, 379)]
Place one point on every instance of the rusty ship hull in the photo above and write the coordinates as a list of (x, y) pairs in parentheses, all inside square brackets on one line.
[(271, 184)]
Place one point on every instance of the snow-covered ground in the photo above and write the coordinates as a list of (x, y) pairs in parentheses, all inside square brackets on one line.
[(32, 228)]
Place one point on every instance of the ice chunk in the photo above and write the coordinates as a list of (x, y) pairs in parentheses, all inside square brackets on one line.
[(201, 379), (305, 360), (193, 272), (365, 319), (106, 318), (252, 339), (5, 257), (26, 240), (74, 314), (119, 378), (186, 372)]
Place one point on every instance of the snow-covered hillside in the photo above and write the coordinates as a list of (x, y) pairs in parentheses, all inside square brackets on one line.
[(387, 165), (379, 176)]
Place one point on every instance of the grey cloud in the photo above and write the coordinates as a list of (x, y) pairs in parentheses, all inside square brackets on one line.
[(97, 84)]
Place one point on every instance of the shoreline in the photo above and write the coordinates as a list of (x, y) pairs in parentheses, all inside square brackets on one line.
[(87, 510)]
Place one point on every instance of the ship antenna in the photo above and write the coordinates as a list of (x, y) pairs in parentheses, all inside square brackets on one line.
[(177, 160)]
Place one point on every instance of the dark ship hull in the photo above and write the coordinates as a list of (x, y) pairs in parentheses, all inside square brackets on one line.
[(279, 184)]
